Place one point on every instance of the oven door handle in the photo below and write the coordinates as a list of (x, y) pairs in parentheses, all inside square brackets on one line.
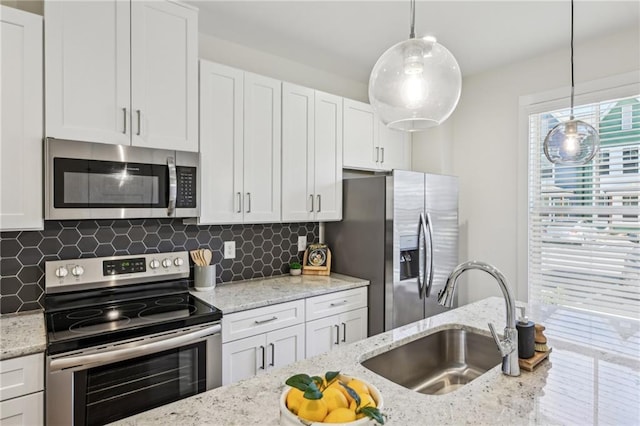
[(173, 186), (101, 358)]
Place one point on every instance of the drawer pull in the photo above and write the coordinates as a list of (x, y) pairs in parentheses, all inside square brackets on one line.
[(266, 320), (337, 334), (339, 303), (262, 367), (273, 355)]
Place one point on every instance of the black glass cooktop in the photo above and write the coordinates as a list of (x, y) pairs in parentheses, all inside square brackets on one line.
[(82, 320)]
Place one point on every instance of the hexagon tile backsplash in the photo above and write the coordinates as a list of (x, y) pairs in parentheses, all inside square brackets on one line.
[(261, 250)]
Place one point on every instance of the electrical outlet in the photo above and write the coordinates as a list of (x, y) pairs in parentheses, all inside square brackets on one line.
[(302, 242), (229, 249)]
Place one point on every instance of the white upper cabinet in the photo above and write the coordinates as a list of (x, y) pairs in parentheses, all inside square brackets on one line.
[(369, 144), (360, 136), (21, 120), (311, 155), (240, 144), (164, 75), (122, 72)]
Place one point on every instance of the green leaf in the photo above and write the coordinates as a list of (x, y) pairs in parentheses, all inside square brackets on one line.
[(299, 381), (317, 380), (373, 413), (312, 391), (330, 376), (352, 393)]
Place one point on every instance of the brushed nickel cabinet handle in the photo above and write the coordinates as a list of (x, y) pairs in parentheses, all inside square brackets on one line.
[(139, 131), (273, 355), (239, 202), (377, 154), (337, 334), (124, 130), (344, 332), (319, 204), (382, 161), (264, 352), (248, 202), (311, 196), (266, 320)]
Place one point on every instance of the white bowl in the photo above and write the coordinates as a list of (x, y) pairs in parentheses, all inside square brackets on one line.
[(287, 418)]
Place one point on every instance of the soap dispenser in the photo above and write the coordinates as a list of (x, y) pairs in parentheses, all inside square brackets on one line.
[(526, 335)]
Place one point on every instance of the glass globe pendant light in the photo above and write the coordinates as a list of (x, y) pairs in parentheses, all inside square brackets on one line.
[(415, 84), (574, 141)]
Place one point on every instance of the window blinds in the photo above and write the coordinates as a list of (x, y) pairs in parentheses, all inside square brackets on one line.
[(584, 221)]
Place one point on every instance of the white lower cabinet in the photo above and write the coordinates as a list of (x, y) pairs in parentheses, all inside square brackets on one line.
[(273, 336), (325, 334), (247, 357), (21, 391)]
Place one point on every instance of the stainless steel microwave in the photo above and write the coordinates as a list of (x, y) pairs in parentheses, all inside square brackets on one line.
[(86, 180)]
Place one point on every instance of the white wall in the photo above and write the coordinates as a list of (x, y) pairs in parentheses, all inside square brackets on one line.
[(246, 58), (480, 143)]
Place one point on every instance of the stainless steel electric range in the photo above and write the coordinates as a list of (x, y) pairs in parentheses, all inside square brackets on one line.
[(125, 336)]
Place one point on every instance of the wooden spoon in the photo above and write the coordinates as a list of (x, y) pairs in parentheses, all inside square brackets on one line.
[(206, 256)]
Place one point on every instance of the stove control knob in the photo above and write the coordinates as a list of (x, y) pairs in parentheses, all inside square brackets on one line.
[(178, 261), (166, 263), (61, 272), (154, 264), (77, 270)]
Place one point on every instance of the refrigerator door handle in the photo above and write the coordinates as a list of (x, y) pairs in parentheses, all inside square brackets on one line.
[(429, 253), (422, 230)]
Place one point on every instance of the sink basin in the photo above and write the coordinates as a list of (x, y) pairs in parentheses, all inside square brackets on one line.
[(438, 363)]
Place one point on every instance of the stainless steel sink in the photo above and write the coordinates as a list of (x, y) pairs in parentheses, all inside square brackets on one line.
[(438, 363)]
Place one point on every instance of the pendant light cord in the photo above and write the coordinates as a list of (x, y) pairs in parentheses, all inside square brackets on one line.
[(572, 80), (412, 21)]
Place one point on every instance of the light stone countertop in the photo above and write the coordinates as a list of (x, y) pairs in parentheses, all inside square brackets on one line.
[(243, 295), (22, 334), (592, 377)]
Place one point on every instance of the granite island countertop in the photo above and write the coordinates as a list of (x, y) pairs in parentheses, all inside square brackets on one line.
[(592, 377), (22, 334), (242, 295)]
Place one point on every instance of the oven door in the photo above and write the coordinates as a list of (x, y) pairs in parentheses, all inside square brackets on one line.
[(99, 386)]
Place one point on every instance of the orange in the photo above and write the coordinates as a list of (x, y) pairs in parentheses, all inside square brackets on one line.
[(314, 410)]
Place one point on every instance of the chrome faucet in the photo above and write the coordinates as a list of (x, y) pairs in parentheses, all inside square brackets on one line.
[(509, 346)]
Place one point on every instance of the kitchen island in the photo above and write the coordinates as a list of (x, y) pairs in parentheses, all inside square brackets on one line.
[(592, 377)]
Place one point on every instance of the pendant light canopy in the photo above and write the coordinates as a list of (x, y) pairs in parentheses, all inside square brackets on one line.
[(415, 84), (574, 141)]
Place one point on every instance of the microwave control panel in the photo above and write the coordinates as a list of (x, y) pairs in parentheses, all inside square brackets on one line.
[(186, 187)]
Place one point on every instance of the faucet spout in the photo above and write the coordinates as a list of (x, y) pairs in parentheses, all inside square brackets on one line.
[(509, 345)]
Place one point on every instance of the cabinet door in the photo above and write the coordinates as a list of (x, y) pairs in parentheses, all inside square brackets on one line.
[(297, 153), (328, 157), (243, 358), (395, 148), (26, 410), (164, 75), (285, 346), (262, 143), (221, 128), (322, 335), (88, 71), (361, 149), (21, 129), (353, 326)]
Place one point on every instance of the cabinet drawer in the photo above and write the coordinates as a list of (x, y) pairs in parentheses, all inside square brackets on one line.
[(20, 376), (24, 411), (261, 320), (335, 303)]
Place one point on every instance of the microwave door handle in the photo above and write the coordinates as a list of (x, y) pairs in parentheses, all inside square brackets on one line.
[(173, 186), (429, 253)]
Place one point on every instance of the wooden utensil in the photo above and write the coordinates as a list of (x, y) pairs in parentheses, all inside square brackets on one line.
[(206, 256)]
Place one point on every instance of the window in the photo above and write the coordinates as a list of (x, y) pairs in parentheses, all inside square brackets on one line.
[(584, 221)]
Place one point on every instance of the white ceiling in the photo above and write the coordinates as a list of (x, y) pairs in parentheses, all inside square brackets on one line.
[(347, 37)]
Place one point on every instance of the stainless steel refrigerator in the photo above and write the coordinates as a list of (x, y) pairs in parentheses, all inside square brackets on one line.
[(401, 233)]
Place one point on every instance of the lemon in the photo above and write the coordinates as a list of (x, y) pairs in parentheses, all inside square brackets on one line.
[(334, 399), (358, 386), (294, 399), (365, 401), (340, 415), (342, 390), (314, 410)]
